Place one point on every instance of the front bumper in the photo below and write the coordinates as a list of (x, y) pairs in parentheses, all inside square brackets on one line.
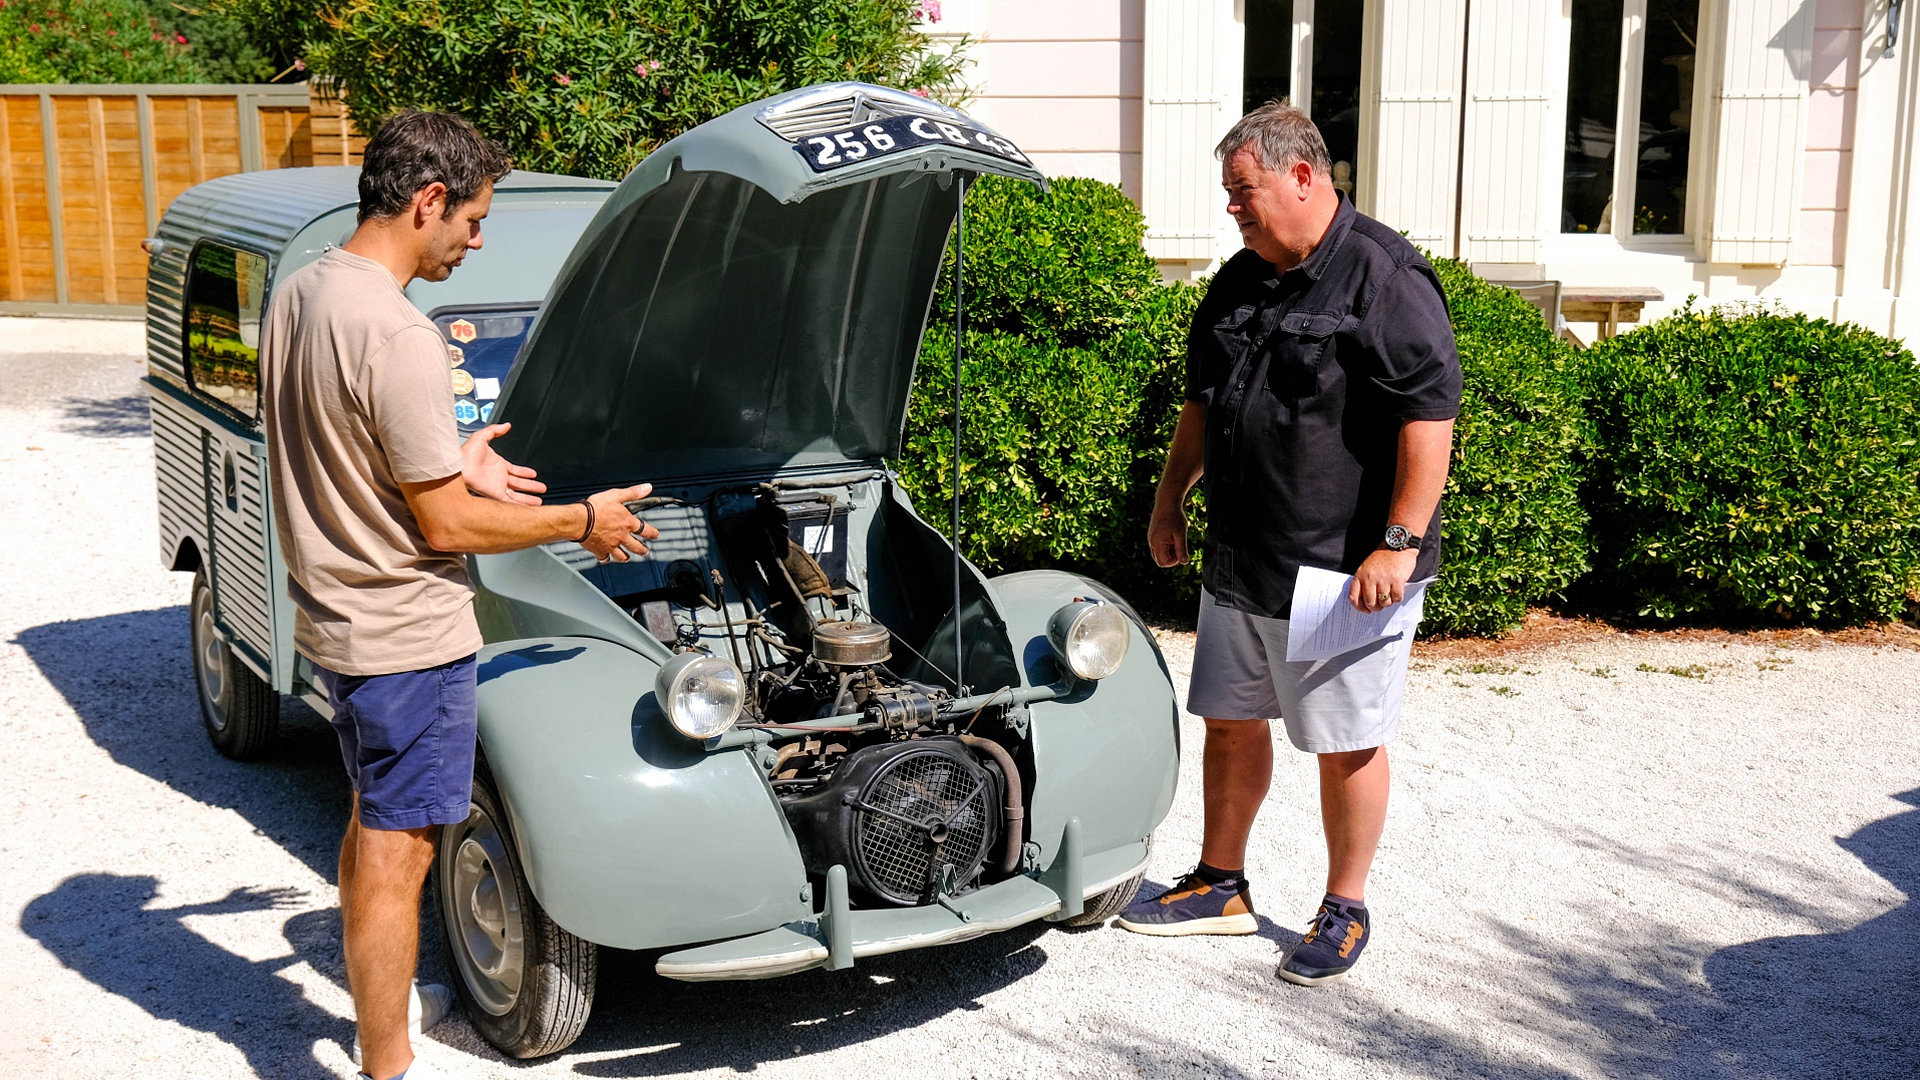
[(811, 943)]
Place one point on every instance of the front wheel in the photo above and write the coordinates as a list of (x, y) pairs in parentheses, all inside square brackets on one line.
[(241, 711), (527, 984), (1106, 904)]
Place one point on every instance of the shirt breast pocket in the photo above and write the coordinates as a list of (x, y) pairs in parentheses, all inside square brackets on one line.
[(1299, 348)]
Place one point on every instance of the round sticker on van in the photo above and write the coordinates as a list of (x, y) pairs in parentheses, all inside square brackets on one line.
[(462, 381)]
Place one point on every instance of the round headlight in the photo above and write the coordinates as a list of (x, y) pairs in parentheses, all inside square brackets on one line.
[(1089, 638), (701, 694)]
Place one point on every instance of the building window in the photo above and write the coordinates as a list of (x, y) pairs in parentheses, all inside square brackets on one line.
[(1629, 116), (1309, 52), (226, 292)]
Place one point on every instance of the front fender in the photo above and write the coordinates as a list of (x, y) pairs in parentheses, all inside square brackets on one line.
[(630, 834), (1109, 752)]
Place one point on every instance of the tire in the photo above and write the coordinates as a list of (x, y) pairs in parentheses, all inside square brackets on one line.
[(527, 984), (1105, 905), (241, 711)]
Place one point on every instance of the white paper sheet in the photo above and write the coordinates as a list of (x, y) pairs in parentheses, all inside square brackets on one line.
[(1322, 624), (486, 389)]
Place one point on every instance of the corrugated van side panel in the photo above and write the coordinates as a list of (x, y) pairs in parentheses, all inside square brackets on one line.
[(179, 474)]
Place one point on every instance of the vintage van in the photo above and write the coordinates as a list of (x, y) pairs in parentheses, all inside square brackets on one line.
[(803, 730)]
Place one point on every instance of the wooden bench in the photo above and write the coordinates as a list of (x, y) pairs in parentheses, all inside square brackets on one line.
[(1607, 305)]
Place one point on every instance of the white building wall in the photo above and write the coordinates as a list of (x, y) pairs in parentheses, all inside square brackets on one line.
[(1061, 78), (1067, 79)]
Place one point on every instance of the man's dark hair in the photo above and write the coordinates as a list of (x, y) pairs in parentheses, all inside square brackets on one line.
[(414, 149)]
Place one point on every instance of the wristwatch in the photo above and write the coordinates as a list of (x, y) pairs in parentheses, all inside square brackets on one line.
[(1401, 538)]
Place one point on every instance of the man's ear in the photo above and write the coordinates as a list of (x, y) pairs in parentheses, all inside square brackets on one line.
[(429, 203), (1302, 177)]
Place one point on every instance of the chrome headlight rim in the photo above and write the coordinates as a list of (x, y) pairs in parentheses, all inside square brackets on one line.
[(673, 681), (1074, 623)]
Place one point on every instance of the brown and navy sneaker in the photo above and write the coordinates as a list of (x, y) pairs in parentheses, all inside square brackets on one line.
[(1194, 905), (1332, 945)]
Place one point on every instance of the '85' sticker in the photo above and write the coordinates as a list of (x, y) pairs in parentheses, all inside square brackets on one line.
[(838, 149)]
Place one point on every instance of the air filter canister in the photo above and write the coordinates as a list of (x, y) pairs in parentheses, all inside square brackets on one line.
[(851, 644)]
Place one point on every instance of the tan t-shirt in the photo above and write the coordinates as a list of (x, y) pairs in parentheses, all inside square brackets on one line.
[(357, 400)]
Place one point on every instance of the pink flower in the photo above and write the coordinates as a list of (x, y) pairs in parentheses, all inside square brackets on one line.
[(920, 90), (180, 39), (640, 69), (156, 35), (646, 67), (563, 80), (299, 64), (928, 12), (113, 33)]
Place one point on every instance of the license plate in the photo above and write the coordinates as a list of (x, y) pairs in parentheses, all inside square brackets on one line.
[(879, 138)]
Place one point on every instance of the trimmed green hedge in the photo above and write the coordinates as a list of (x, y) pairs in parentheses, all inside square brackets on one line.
[(1515, 530), (1074, 375), (1756, 465), (1071, 370)]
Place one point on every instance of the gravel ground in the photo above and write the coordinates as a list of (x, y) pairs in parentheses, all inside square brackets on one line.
[(1637, 856)]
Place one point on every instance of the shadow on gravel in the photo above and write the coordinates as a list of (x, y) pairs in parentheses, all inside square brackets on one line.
[(130, 680), (1663, 1003), (110, 418), (739, 1025), (100, 926)]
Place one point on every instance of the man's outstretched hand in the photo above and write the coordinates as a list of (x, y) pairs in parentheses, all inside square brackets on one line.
[(489, 474), (617, 535)]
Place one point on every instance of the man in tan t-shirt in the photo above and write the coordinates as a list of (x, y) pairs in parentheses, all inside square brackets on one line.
[(375, 501)]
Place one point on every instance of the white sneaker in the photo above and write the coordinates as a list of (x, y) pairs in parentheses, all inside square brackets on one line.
[(426, 1006)]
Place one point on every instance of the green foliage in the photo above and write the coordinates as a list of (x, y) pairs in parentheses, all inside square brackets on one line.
[(123, 41), (1515, 530), (590, 89), (1757, 465), (1071, 379)]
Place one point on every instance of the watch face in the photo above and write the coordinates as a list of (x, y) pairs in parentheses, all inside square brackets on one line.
[(1400, 538)]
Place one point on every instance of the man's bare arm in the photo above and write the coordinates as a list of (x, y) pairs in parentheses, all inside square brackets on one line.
[(1186, 460), (452, 519), (1424, 451)]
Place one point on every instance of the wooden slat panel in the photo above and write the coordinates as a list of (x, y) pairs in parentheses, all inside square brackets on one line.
[(28, 228), (1509, 141), (1179, 118), (111, 189), (1410, 166), (1760, 107)]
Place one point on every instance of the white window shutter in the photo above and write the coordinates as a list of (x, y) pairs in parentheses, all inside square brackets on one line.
[(1410, 165), (1759, 110), (1508, 147), (1179, 179)]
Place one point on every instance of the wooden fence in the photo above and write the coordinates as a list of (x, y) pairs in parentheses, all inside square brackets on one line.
[(86, 171)]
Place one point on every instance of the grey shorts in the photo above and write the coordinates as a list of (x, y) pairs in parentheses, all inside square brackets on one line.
[(1241, 671)]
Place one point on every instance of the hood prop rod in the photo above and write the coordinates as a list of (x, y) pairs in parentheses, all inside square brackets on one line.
[(959, 346)]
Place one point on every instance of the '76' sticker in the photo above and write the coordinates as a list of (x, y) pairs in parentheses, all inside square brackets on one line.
[(838, 149)]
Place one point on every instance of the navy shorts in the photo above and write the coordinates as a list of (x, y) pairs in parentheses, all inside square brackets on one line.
[(407, 740)]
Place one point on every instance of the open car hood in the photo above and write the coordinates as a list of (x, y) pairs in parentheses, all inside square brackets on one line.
[(753, 295)]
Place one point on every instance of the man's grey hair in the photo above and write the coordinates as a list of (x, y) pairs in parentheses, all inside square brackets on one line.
[(1279, 135)]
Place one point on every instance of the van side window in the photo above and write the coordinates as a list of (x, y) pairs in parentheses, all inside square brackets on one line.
[(226, 292)]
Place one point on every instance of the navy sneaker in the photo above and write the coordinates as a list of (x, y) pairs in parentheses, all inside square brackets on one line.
[(1332, 945), (1194, 906)]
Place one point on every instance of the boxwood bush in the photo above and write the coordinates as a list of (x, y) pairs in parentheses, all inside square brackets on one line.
[(1071, 376), (1757, 465), (1515, 529)]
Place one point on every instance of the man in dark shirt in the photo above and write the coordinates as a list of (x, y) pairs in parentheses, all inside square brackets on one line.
[(1322, 383)]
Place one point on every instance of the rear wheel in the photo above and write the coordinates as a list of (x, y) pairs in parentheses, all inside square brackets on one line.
[(527, 984), (241, 711)]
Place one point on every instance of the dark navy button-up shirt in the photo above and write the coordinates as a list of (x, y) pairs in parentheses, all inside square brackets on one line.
[(1307, 376)]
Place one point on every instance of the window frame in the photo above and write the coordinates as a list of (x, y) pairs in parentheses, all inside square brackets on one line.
[(187, 362), (1626, 148)]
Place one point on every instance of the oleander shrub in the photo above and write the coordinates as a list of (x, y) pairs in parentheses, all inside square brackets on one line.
[(1070, 378), (1756, 465), (124, 41), (1515, 532), (591, 88)]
